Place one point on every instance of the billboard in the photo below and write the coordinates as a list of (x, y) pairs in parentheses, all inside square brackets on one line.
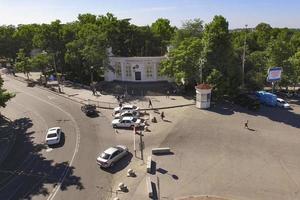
[(274, 74)]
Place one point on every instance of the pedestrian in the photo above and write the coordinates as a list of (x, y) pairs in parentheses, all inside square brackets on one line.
[(246, 125), (168, 94), (118, 98), (120, 104), (93, 90), (162, 115), (150, 104)]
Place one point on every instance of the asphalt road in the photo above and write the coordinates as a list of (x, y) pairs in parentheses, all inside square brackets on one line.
[(66, 171)]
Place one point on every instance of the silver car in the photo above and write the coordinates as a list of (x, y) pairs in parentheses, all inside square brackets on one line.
[(111, 155), (126, 122), (127, 113)]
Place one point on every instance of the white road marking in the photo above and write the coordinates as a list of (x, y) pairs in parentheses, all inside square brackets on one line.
[(77, 131)]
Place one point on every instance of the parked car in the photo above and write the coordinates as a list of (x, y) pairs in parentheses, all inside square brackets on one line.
[(247, 100), (267, 98), (111, 155), (126, 122), (281, 103), (127, 113), (126, 107), (89, 109), (53, 135)]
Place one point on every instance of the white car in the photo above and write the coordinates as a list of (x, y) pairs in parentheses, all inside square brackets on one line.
[(53, 135), (127, 113), (112, 155), (126, 107), (282, 103), (126, 122)]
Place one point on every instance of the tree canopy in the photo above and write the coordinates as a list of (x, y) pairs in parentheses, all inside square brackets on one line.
[(196, 52)]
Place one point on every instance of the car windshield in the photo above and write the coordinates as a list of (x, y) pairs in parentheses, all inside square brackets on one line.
[(51, 135), (134, 119), (104, 155)]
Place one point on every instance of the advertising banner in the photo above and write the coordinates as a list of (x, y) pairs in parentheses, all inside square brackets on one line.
[(274, 74)]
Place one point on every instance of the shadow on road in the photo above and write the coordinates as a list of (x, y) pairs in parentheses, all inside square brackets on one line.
[(120, 165), (26, 172), (286, 116)]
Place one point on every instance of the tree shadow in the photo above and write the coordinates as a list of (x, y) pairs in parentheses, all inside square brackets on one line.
[(276, 114), (26, 173)]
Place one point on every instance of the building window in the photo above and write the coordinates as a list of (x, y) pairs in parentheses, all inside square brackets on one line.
[(118, 70), (128, 70), (149, 71), (157, 70)]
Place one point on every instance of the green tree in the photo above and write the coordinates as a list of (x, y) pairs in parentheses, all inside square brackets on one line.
[(23, 63), (4, 95), (41, 62), (183, 62), (218, 51), (163, 31), (190, 28), (294, 73), (8, 45), (24, 36)]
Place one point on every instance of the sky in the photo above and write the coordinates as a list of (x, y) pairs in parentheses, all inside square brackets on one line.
[(277, 13)]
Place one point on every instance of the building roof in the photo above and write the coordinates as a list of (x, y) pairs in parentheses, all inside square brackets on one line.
[(203, 86)]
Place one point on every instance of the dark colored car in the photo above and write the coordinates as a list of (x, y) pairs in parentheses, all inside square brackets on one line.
[(247, 100), (89, 109)]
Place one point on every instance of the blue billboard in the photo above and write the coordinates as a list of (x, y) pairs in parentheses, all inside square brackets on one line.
[(274, 74)]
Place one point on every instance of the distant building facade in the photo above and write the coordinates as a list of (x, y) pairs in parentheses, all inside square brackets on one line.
[(134, 69)]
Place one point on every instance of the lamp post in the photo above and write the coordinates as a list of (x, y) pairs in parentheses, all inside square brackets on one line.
[(92, 77), (55, 69), (201, 63), (243, 58)]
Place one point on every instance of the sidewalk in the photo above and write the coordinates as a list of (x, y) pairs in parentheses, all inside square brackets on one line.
[(83, 95)]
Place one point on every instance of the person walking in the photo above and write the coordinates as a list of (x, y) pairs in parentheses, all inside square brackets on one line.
[(150, 104), (162, 115), (93, 90), (168, 94), (246, 125)]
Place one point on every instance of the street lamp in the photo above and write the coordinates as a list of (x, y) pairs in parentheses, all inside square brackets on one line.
[(243, 59), (92, 78), (201, 63), (55, 69)]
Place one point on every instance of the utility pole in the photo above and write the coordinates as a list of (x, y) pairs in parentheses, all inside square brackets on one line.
[(243, 59), (55, 69), (142, 146), (134, 148)]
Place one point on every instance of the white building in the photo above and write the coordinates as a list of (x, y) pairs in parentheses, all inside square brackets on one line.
[(134, 69)]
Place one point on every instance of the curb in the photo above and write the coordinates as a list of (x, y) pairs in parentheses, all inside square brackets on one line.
[(102, 107)]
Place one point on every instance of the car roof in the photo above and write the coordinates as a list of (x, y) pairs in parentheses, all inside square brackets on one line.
[(110, 150), (127, 118), (53, 129), (128, 106)]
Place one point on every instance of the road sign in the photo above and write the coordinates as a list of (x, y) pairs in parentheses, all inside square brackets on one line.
[(274, 74)]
